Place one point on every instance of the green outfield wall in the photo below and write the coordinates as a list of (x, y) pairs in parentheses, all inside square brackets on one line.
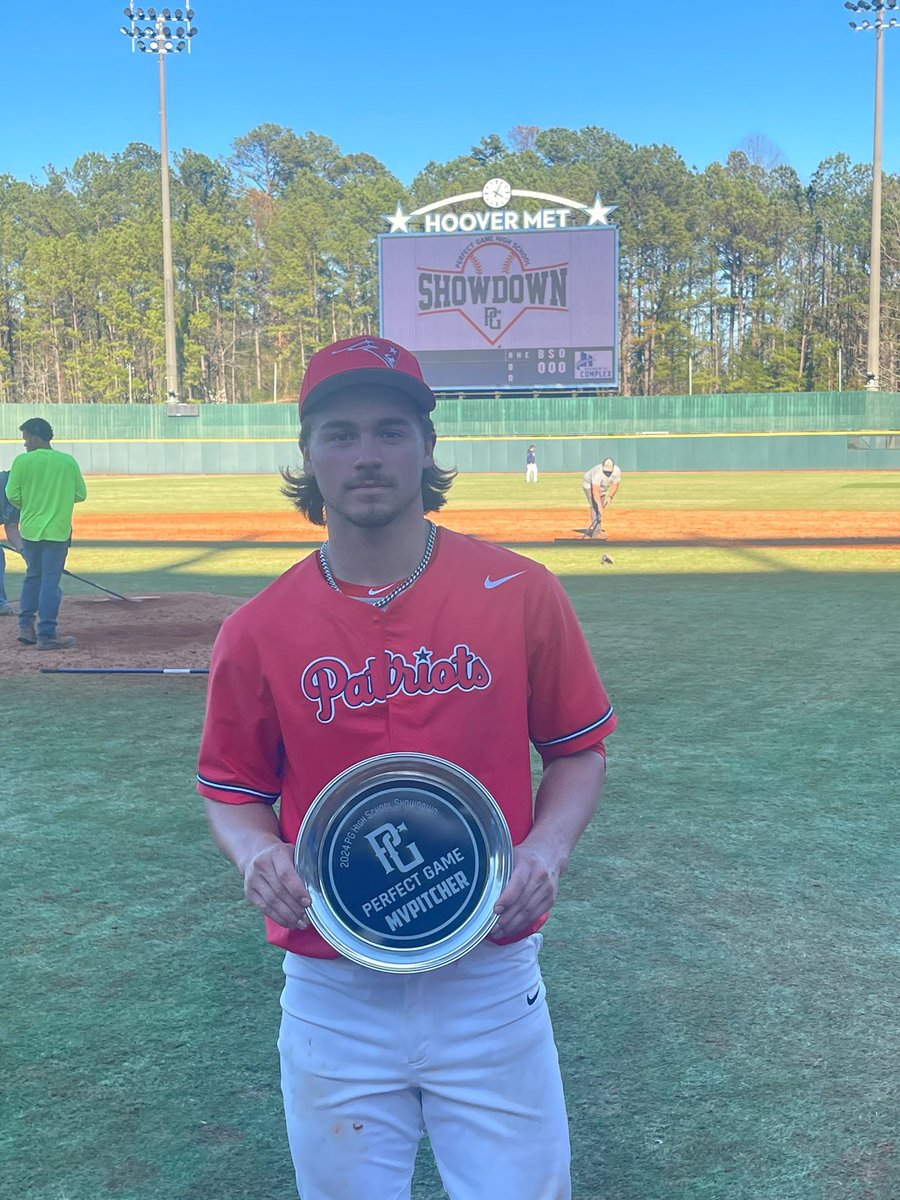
[(792, 431)]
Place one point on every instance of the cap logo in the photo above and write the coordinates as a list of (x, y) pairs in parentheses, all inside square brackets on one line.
[(388, 357)]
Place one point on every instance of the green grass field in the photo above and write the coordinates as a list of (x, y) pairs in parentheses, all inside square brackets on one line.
[(723, 964), (725, 491)]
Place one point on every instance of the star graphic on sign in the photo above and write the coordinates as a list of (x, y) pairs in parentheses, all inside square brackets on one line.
[(598, 212), (423, 656), (399, 221)]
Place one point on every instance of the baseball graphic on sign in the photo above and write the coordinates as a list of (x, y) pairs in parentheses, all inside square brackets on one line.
[(494, 286)]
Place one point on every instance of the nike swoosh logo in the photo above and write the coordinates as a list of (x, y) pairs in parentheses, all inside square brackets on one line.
[(378, 591), (492, 583), (531, 999)]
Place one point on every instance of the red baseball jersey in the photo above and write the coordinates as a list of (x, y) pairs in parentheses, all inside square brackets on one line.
[(482, 655)]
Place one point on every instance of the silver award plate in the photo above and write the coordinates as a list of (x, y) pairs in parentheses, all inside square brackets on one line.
[(404, 857)]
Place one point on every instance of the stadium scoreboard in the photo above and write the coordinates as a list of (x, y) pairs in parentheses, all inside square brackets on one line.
[(504, 301)]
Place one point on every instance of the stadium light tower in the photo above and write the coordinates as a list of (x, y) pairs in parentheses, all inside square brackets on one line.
[(880, 8), (162, 32)]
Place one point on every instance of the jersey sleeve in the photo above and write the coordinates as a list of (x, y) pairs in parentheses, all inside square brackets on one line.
[(568, 708), (241, 749)]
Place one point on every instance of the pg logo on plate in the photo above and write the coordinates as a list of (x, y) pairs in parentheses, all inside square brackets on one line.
[(404, 856)]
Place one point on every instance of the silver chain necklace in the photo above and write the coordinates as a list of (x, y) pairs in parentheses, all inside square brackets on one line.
[(401, 587)]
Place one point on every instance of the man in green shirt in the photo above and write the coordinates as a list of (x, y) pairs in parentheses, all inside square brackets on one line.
[(45, 485)]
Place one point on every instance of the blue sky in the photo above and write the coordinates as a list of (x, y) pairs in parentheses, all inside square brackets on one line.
[(426, 81)]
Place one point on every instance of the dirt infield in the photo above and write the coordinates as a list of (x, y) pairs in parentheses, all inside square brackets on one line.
[(174, 630), (509, 525), (178, 629)]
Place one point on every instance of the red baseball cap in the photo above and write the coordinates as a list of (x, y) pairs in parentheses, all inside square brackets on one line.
[(363, 360)]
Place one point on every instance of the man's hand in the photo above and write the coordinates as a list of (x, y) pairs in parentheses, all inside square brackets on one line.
[(273, 885), (531, 891), (250, 835), (13, 536)]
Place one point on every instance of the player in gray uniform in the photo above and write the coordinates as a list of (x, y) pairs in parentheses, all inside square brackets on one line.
[(600, 484)]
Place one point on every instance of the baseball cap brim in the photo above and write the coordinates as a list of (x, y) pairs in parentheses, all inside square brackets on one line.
[(396, 381)]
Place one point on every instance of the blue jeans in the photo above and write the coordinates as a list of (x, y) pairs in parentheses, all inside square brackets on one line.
[(2, 578), (41, 593)]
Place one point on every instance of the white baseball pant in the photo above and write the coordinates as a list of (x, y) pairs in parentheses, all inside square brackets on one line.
[(371, 1060)]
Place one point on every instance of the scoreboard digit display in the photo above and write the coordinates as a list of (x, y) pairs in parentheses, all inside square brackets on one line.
[(505, 311)]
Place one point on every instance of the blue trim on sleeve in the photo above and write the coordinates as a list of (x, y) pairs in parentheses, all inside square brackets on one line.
[(269, 797), (570, 737)]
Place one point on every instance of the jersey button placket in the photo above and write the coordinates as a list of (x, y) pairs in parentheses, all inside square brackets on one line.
[(382, 625)]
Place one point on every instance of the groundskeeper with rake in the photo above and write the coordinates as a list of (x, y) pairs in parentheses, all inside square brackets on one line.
[(600, 485), (45, 485), (401, 638)]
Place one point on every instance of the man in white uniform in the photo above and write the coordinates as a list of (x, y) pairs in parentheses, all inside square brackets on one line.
[(600, 484)]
